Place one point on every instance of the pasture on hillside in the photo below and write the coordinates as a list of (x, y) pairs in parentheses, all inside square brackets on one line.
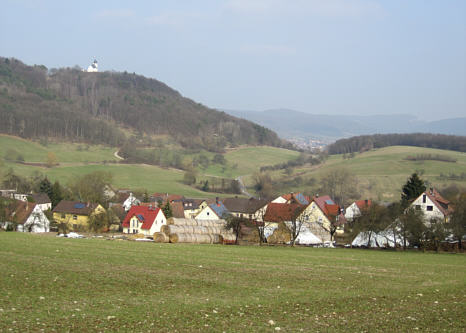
[(79, 159), (382, 172), (58, 284)]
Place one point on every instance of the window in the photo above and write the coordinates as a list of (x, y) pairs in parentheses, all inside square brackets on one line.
[(208, 213), (418, 207), (75, 217), (63, 215), (424, 198), (430, 208)]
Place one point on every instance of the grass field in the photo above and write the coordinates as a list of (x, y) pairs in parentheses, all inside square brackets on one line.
[(82, 285), (77, 159), (65, 152)]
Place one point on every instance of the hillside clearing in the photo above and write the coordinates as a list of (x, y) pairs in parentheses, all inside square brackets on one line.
[(91, 285)]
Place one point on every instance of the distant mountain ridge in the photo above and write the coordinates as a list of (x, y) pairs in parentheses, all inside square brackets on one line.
[(290, 123), (99, 107)]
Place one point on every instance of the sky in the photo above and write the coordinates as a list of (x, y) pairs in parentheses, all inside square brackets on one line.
[(361, 57)]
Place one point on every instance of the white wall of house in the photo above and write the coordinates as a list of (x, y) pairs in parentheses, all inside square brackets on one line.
[(279, 200), (429, 208), (352, 211), (38, 220), (160, 220), (130, 201), (134, 226), (207, 214), (45, 206)]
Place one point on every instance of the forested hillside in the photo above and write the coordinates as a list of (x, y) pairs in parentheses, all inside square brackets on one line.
[(97, 107), (366, 142)]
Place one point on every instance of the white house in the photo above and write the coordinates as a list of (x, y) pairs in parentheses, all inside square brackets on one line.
[(354, 210), (28, 217), (144, 220), (35, 222), (214, 211), (433, 205), (130, 201)]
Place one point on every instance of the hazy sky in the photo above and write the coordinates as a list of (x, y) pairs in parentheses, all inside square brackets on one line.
[(316, 56)]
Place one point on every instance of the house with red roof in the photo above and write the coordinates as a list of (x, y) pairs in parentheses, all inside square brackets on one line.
[(144, 220), (433, 205), (356, 208)]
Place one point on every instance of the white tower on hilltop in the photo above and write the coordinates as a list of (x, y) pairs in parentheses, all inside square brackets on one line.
[(94, 67)]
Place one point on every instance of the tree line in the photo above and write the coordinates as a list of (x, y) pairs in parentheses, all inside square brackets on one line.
[(366, 142)]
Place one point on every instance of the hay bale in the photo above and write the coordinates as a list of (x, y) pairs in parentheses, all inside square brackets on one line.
[(160, 237), (136, 236), (190, 238), (181, 221), (228, 237), (211, 223), (281, 235)]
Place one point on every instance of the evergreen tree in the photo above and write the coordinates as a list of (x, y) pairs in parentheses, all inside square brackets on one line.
[(46, 187), (413, 188), (57, 194), (167, 210)]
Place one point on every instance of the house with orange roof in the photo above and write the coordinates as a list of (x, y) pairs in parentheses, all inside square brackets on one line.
[(144, 220), (433, 205)]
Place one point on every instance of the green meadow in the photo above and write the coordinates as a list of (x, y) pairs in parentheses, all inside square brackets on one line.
[(82, 285), (382, 172)]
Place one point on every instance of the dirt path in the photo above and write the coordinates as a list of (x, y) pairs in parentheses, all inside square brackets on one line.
[(117, 156)]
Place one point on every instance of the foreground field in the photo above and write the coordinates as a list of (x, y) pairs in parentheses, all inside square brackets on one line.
[(92, 285)]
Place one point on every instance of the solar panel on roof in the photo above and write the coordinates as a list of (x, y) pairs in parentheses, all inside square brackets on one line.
[(329, 202), (140, 217), (79, 205)]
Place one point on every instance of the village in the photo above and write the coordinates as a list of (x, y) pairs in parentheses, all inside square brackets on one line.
[(292, 218)]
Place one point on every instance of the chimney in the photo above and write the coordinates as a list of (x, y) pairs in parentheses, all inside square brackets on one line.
[(150, 207), (216, 200), (88, 204), (366, 202), (431, 191), (317, 195)]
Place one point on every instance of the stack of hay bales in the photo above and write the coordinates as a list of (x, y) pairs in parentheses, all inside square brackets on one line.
[(135, 236), (281, 235), (182, 230)]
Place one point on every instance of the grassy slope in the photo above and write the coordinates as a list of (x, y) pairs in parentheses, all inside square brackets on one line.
[(65, 152), (92, 285), (385, 169), (74, 162)]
